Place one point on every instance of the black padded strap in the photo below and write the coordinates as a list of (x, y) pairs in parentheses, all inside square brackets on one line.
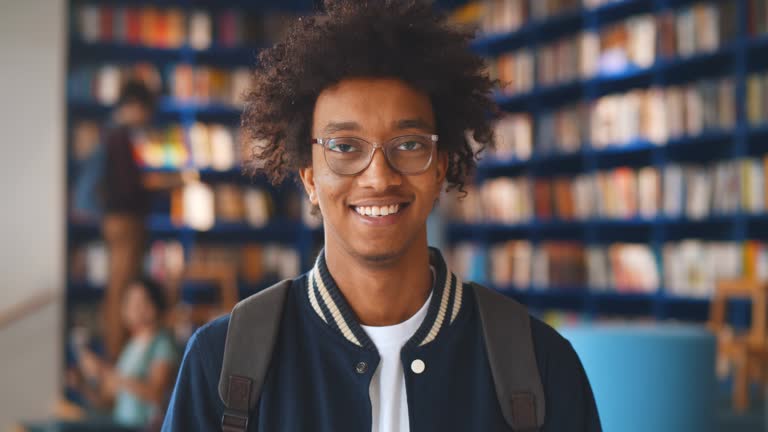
[(235, 418), (253, 327), (509, 344)]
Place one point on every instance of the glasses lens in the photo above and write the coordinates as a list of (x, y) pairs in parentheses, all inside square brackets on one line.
[(347, 155), (410, 154)]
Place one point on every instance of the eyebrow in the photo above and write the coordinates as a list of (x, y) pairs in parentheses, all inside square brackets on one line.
[(416, 123), (341, 126)]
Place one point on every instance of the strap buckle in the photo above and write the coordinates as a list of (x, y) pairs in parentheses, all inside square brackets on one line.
[(234, 421)]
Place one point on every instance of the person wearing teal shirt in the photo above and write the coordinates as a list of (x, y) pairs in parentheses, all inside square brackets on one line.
[(139, 382)]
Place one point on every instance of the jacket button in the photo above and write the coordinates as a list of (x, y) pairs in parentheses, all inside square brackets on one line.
[(361, 368), (418, 366)]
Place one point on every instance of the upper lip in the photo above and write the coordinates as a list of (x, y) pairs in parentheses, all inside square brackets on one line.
[(377, 202)]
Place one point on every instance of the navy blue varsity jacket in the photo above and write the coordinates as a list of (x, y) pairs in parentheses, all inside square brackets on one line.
[(323, 363)]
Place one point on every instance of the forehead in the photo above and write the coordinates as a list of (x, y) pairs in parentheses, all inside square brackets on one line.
[(375, 104)]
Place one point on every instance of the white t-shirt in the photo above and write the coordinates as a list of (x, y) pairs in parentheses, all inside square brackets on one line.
[(389, 401)]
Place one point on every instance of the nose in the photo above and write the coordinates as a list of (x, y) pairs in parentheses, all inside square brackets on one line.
[(379, 176)]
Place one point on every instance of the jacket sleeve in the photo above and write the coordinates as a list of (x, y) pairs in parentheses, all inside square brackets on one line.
[(195, 405), (570, 401)]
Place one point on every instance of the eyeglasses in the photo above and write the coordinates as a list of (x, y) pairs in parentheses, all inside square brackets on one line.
[(407, 154)]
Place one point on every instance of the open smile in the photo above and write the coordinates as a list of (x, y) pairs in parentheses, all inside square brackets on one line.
[(385, 214)]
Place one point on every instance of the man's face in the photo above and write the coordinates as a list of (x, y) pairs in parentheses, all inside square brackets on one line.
[(376, 110)]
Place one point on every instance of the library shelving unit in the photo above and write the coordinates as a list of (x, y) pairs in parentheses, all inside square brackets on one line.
[(291, 233), (737, 58)]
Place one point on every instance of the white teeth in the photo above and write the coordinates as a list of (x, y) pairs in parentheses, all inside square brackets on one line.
[(378, 211)]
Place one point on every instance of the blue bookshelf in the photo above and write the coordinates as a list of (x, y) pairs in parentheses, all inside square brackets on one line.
[(736, 58), (278, 230)]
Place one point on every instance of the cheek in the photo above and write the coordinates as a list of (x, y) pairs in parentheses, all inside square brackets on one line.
[(428, 187), (330, 188)]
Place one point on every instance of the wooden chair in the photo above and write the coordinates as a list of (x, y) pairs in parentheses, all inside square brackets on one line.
[(747, 353)]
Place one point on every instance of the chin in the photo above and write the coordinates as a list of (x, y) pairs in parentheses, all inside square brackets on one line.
[(379, 254)]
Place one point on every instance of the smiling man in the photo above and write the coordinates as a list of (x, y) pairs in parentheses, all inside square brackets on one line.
[(370, 106)]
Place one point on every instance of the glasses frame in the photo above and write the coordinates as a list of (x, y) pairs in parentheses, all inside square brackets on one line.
[(324, 143)]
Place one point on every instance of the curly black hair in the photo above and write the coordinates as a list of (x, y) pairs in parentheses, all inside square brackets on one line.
[(402, 39)]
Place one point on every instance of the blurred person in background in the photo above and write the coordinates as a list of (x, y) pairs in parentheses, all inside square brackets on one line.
[(136, 386), (126, 202)]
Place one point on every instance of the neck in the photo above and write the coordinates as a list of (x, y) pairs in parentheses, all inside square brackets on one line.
[(382, 293), (145, 331)]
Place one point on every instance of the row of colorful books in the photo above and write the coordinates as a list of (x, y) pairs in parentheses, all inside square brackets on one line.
[(501, 16), (202, 146), (686, 268), (201, 206), (183, 83), (165, 261), (176, 27), (637, 42), (690, 191), (654, 114)]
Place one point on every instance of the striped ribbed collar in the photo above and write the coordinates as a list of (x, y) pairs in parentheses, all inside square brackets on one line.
[(331, 306)]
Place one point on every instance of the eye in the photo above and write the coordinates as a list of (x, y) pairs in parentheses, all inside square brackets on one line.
[(340, 146), (410, 146)]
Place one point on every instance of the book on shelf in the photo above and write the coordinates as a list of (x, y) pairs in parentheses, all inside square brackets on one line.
[(198, 206), (500, 16), (753, 185), (567, 59), (757, 99), (548, 8), (633, 268), (514, 71), (562, 131), (757, 17), (514, 137), (165, 260), (628, 44), (468, 261)]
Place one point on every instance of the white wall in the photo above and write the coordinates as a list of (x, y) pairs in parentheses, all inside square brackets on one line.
[(32, 178)]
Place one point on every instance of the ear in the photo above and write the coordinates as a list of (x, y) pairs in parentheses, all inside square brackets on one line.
[(307, 175)]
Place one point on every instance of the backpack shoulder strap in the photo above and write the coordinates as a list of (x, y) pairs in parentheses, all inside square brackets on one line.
[(253, 327), (509, 344)]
